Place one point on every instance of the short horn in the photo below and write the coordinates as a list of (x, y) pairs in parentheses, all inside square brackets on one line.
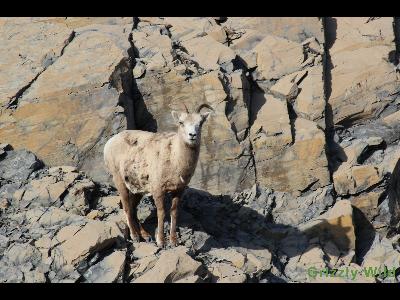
[(187, 111), (202, 106)]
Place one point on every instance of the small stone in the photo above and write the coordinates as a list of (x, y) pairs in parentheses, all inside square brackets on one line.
[(95, 214), (138, 70), (4, 204)]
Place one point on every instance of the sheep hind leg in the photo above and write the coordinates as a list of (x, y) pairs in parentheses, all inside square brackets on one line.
[(159, 202), (135, 200), (127, 206)]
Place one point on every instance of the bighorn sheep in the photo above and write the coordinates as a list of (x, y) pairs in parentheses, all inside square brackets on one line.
[(143, 162)]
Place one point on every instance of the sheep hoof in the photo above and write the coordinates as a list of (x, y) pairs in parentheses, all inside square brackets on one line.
[(173, 241), (148, 239), (160, 243), (145, 235), (135, 239)]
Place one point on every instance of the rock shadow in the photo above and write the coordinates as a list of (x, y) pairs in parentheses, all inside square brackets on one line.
[(144, 120), (220, 222), (393, 192), (335, 153)]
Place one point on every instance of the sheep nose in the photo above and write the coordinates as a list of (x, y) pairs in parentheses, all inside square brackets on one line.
[(192, 135)]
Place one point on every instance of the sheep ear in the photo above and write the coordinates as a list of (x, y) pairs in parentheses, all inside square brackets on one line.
[(175, 115), (205, 115)]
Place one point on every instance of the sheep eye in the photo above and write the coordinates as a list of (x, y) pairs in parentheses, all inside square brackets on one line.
[(180, 123)]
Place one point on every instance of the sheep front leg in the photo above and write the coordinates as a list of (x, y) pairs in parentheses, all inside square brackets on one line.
[(159, 202), (174, 215)]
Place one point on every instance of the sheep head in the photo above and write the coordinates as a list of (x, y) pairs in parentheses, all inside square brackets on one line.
[(190, 124)]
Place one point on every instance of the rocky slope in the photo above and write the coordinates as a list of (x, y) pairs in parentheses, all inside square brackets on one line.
[(298, 165)]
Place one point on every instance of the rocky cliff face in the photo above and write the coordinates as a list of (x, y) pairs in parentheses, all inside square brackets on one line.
[(298, 165)]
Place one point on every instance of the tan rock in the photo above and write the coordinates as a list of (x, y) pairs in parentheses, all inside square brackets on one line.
[(71, 103), (313, 256), (302, 267), (392, 119), (144, 249), (111, 201), (172, 265), (143, 265), (287, 85), (79, 195), (230, 255), (64, 234), (208, 53), (26, 53), (94, 236), (295, 168), (95, 214), (367, 203), (226, 273), (355, 179), (291, 28), (310, 103), (361, 69), (277, 57), (17, 196), (244, 46), (186, 28), (138, 70), (335, 225), (43, 243), (218, 34), (258, 260), (271, 129)]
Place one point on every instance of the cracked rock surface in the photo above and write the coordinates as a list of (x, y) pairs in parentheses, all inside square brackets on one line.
[(298, 165)]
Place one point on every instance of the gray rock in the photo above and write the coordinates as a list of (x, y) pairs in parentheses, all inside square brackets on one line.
[(110, 269), (10, 274), (19, 254), (18, 165)]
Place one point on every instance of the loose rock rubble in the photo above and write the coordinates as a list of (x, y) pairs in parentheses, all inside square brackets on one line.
[(222, 239), (299, 164)]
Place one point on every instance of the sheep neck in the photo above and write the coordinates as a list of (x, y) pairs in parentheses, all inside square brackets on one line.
[(186, 159)]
